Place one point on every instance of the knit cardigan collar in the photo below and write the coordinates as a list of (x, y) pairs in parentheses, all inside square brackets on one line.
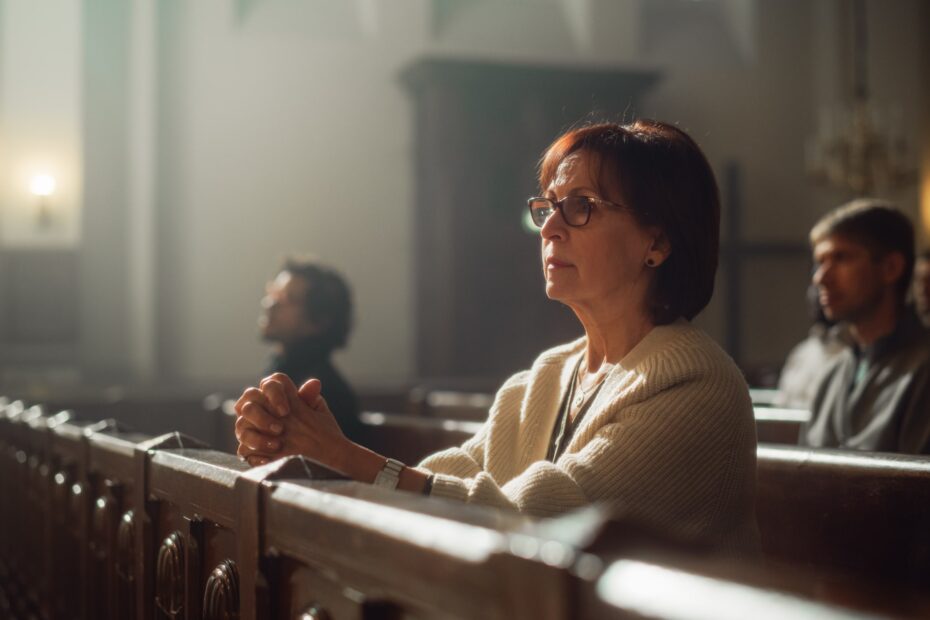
[(552, 374)]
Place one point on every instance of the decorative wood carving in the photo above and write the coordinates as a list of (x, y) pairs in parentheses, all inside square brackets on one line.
[(221, 595), (169, 575)]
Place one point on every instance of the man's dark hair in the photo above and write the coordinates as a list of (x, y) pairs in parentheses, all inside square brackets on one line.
[(328, 303), (663, 177), (878, 226)]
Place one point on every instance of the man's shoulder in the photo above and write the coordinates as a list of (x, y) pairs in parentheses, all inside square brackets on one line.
[(914, 352)]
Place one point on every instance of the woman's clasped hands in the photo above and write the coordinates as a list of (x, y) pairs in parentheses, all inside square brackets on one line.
[(276, 419)]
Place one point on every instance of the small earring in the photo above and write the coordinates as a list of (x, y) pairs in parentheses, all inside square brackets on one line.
[(650, 262)]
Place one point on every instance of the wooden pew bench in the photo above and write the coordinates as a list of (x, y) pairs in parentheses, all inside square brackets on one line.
[(781, 426), (831, 511), (844, 518), (860, 514), (25, 516), (114, 488), (189, 537), (637, 588), (348, 550), (153, 416), (410, 438)]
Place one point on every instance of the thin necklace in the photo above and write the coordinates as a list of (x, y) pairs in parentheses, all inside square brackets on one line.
[(583, 394)]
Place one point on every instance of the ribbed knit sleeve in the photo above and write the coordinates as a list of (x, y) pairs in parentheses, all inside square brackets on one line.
[(467, 461)]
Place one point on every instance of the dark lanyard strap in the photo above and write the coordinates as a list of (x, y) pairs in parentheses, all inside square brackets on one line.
[(564, 427)]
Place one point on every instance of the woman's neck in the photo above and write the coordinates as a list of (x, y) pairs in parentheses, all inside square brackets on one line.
[(611, 335)]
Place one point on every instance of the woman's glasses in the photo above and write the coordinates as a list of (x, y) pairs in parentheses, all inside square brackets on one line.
[(575, 210)]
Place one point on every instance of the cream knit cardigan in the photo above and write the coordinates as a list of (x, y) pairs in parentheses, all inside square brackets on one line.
[(669, 440)]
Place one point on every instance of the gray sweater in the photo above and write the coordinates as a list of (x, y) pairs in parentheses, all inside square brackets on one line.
[(877, 398)]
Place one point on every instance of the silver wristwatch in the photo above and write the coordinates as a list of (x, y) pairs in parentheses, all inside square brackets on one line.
[(389, 475)]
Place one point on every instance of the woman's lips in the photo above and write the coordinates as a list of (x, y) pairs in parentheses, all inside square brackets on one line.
[(554, 263)]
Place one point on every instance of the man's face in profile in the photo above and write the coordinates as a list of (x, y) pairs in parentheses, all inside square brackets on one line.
[(848, 278), (284, 318)]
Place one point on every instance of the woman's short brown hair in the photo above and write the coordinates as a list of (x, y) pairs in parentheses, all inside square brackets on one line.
[(660, 173)]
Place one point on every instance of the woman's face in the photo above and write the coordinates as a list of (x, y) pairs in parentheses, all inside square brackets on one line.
[(602, 262)]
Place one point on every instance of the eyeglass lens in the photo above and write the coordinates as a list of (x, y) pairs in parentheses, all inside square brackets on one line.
[(575, 210)]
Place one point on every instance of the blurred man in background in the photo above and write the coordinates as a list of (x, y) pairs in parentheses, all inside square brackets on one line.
[(810, 359), (307, 315), (877, 395), (922, 286)]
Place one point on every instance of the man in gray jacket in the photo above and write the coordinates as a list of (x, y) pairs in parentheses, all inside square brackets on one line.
[(876, 396)]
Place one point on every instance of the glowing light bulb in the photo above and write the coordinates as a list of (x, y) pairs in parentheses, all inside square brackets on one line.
[(42, 185)]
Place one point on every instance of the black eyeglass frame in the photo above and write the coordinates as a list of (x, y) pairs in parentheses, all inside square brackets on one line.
[(556, 205)]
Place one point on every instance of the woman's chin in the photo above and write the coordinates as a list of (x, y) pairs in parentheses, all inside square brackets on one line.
[(555, 292)]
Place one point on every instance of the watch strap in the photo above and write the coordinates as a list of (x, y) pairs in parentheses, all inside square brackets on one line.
[(389, 475)]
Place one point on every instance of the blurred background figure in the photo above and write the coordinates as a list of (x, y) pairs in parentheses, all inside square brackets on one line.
[(809, 359), (306, 316), (877, 394), (922, 286)]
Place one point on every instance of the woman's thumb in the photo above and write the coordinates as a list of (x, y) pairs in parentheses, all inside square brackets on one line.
[(309, 392)]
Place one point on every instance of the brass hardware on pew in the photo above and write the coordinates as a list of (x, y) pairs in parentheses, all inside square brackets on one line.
[(221, 595), (169, 575)]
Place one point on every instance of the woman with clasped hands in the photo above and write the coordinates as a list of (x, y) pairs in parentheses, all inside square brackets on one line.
[(645, 412)]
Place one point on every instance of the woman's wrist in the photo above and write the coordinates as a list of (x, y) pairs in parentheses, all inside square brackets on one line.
[(363, 465), (360, 463)]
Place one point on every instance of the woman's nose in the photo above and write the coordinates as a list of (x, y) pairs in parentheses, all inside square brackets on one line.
[(553, 227)]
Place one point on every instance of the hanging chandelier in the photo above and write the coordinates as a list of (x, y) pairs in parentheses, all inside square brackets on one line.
[(859, 149)]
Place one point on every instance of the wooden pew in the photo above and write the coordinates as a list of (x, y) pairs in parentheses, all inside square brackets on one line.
[(331, 545), (69, 512), (189, 542), (339, 549), (25, 518), (451, 405), (860, 514), (115, 458), (410, 438), (834, 512), (781, 426), (637, 588), (150, 415)]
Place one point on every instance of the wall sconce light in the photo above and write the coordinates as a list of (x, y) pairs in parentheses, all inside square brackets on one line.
[(42, 186)]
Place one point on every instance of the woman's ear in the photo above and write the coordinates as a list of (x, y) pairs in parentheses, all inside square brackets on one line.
[(659, 250)]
